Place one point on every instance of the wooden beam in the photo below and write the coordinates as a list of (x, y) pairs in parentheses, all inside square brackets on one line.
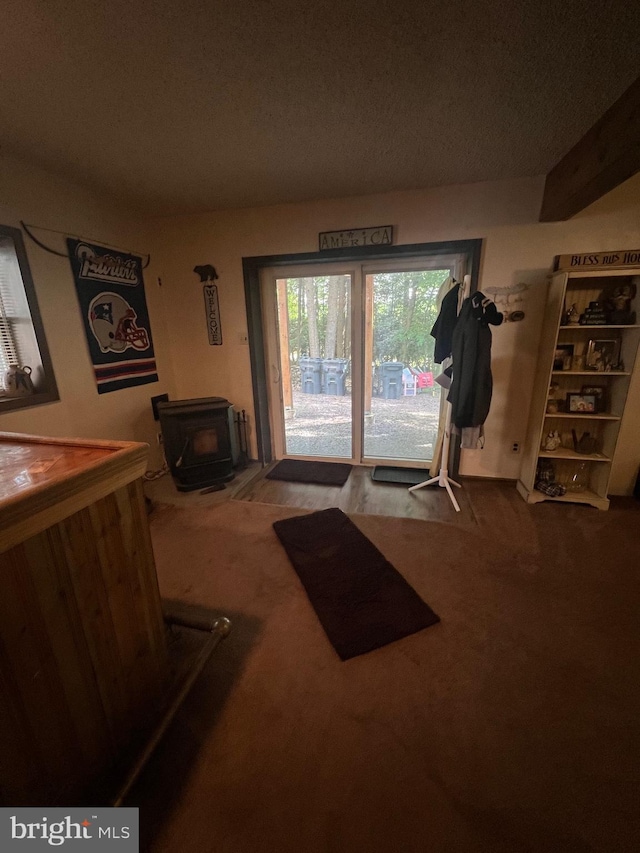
[(606, 156)]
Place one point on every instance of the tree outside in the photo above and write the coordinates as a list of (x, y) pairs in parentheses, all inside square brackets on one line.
[(401, 308), (404, 311)]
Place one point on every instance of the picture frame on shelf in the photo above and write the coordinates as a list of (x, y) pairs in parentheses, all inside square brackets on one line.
[(581, 403), (563, 356), (603, 354), (600, 394)]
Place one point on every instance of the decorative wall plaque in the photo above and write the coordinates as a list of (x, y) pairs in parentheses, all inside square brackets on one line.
[(212, 310), (599, 260), (379, 235)]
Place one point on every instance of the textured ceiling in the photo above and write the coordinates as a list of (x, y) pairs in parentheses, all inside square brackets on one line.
[(195, 105)]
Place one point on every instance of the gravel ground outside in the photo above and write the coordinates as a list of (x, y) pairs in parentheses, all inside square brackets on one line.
[(406, 428)]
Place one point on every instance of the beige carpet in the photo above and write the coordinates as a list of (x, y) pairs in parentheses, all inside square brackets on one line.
[(511, 726)]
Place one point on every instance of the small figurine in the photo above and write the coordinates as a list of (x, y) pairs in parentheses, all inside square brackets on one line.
[(620, 313), (552, 441), (572, 316), (553, 403)]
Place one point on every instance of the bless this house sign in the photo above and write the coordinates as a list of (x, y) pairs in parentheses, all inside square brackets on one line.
[(599, 260), (380, 235)]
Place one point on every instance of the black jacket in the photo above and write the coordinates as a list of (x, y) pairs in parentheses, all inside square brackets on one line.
[(472, 386), (445, 324)]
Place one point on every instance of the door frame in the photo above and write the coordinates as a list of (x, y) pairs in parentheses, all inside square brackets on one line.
[(251, 267)]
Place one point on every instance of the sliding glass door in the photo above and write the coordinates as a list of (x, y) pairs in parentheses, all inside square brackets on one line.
[(349, 359)]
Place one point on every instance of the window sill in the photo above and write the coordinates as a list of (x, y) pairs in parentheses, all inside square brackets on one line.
[(9, 404)]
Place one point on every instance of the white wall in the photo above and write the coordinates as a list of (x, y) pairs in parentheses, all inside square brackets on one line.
[(39, 198), (517, 248)]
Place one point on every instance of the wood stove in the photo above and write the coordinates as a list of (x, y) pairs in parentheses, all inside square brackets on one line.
[(200, 443)]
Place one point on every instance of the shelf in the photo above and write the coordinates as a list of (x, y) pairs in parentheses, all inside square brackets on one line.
[(591, 416), (591, 373), (567, 453), (573, 274), (553, 387), (533, 496), (586, 497), (605, 326)]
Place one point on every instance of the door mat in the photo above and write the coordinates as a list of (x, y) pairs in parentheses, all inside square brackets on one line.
[(362, 602), (299, 471), (405, 476)]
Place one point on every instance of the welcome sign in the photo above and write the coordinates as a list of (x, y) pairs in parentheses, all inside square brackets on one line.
[(114, 311), (212, 310)]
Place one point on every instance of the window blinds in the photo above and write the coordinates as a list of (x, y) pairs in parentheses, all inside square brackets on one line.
[(8, 345)]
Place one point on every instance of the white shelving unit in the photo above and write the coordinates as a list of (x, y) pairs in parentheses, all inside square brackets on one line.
[(578, 288)]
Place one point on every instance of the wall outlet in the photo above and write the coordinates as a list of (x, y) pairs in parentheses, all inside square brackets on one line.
[(515, 447)]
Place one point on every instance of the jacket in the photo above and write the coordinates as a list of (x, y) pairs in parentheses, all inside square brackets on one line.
[(472, 386)]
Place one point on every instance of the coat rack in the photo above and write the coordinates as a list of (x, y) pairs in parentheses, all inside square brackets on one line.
[(443, 479)]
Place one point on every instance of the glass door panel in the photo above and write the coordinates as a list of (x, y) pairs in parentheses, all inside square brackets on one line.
[(401, 399), (315, 369)]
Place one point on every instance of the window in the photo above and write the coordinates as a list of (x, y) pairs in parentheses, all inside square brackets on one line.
[(22, 340)]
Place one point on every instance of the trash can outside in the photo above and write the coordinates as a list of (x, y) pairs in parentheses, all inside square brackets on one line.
[(310, 374), (391, 379), (334, 372)]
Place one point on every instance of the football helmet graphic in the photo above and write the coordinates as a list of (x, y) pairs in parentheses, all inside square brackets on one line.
[(113, 323)]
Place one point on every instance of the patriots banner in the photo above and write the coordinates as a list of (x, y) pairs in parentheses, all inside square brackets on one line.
[(113, 305)]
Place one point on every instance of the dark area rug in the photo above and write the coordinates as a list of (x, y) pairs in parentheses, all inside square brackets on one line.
[(361, 601), (299, 471), (404, 476)]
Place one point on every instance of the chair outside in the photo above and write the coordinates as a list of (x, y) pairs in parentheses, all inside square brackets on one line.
[(409, 383)]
